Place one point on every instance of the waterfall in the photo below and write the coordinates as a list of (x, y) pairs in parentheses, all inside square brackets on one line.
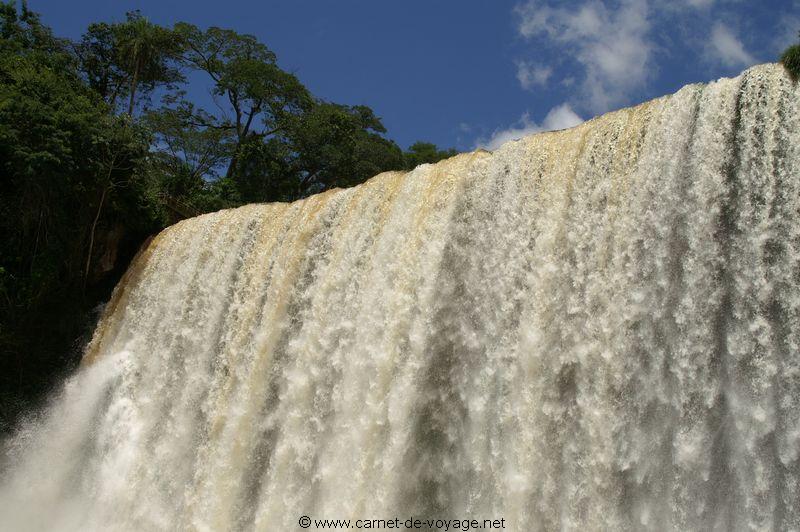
[(589, 329)]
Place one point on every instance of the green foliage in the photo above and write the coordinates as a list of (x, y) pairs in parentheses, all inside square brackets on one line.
[(68, 168), (327, 146), (129, 58), (58, 145), (337, 146), (192, 148), (22, 32), (791, 61), (259, 95), (424, 152)]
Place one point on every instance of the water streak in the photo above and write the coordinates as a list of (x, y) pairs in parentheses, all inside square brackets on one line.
[(591, 329)]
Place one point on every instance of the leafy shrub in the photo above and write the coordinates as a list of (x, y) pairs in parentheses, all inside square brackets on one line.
[(791, 61)]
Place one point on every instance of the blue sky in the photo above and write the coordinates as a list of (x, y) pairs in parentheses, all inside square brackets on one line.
[(467, 73)]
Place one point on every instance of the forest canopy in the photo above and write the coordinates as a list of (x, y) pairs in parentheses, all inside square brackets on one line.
[(101, 146)]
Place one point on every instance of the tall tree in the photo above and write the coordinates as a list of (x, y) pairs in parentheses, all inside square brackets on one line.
[(188, 140), (22, 32), (327, 146), (256, 96), (189, 150), (68, 177), (129, 58), (336, 145)]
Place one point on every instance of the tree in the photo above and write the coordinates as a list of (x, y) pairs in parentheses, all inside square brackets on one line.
[(335, 145), (97, 58), (23, 33), (118, 149), (68, 178), (188, 142), (189, 150), (257, 96), (791, 61), (128, 58), (329, 145), (424, 152), (285, 144)]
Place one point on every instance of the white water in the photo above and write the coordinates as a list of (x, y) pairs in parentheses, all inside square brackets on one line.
[(593, 329)]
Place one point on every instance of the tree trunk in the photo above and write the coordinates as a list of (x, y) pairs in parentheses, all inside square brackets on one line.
[(91, 235), (232, 164), (134, 82)]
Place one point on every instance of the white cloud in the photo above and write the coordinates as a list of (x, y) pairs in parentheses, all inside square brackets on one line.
[(687, 8), (560, 117), (611, 45), (726, 48), (787, 32), (530, 75), (700, 3)]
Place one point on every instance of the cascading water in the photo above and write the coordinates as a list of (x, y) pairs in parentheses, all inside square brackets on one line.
[(591, 329)]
